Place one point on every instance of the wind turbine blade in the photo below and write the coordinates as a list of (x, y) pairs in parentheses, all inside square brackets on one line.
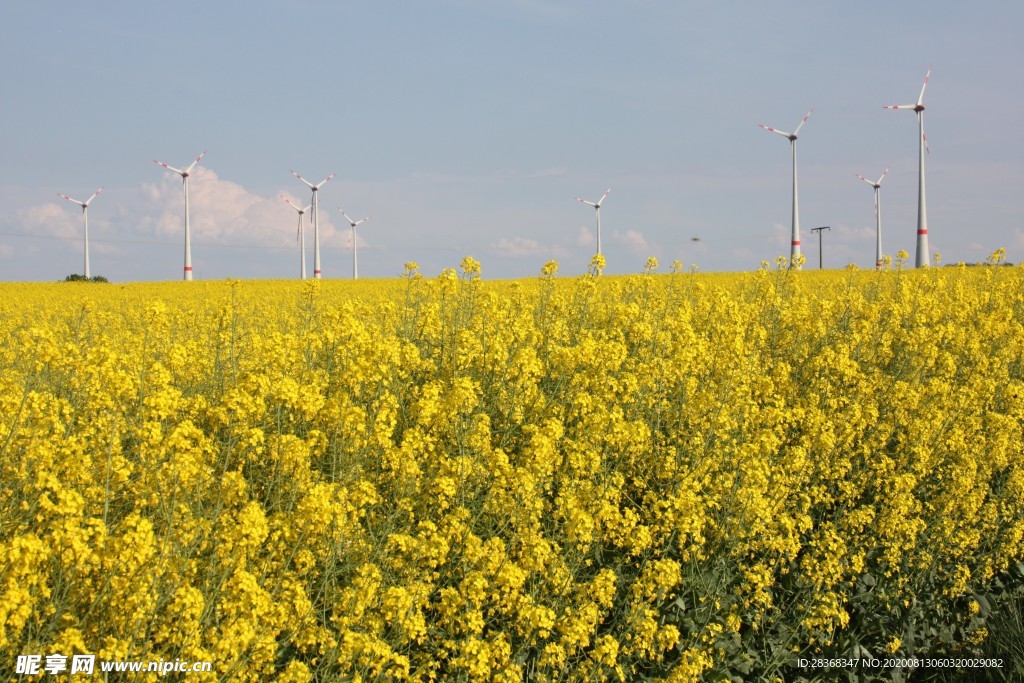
[(884, 173), (774, 130), (193, 164), (604, 196), (302, 179), (70, 199), (899, 106), (170, 168), (803, 121), (927, 149), (920, 98), (290, 203), (864, 179), (94, 194), (324, 181), (352, 222), (586, 202)]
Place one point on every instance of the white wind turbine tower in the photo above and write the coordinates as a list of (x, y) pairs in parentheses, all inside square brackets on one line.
[(300, 235), (922, 143), (878, 216), (597, 210), (85, 214), (316, 222), (355, 257), (188, 235), (794, 249)]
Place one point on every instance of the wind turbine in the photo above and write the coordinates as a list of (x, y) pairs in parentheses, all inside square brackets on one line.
[(922, 143), (316, 223), (85, 214), (878, 216), (794, 249), (188, 235), (354, 224), (597, 210), (300, 235)]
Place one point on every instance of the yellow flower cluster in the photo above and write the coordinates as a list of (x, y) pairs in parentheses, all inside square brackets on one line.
[(605, 478)]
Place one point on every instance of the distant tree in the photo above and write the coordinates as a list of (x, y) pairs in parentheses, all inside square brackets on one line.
[(75, 277)]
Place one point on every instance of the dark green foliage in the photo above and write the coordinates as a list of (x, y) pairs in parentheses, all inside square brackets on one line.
[(75, 277)]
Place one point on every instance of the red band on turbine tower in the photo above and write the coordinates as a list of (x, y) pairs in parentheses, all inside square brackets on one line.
[(796, 243), (188, 269), (923, 232), (316, 272)]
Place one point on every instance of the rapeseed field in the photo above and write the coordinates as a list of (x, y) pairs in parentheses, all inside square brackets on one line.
[(668, 476)]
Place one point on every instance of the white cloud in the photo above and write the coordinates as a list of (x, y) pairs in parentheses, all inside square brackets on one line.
[(360, 240), (222, 211), (518, 246), (635, 242), (585, 238), (64, 225), (50, 219), (522, 246)]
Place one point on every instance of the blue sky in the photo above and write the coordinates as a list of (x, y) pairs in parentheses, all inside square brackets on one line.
[(468, 127)]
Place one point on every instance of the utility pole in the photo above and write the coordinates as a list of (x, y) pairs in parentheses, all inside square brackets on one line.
[(818, 230)]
